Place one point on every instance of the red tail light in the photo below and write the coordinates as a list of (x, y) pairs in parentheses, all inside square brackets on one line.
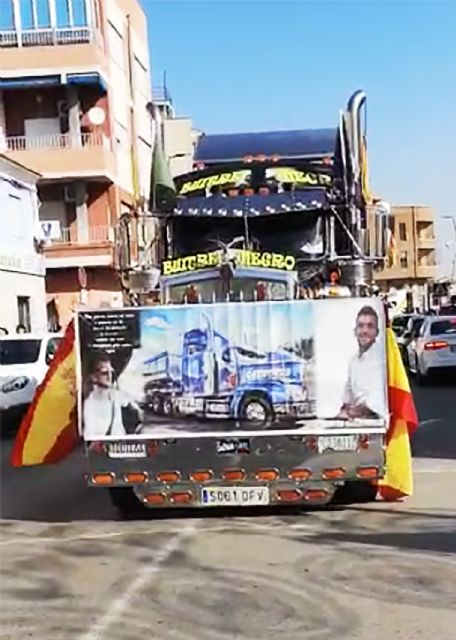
[(435, 345)]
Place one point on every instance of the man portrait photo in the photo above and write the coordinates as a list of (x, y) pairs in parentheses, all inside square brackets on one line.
[(105, 406), (364, 394)]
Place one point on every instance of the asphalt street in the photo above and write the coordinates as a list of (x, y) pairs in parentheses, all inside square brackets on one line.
[(72, 570)]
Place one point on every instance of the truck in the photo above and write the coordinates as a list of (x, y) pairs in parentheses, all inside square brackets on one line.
[(238, 351), (213, 377)]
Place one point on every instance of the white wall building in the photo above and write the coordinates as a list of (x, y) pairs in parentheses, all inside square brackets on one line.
[(22, 271)]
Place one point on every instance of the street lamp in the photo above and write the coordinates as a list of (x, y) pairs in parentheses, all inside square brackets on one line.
[(453, 264)]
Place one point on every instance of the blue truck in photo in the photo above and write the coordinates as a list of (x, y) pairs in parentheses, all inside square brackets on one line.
[(213, 378)]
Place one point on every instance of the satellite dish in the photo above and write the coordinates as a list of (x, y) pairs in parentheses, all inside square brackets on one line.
[(96, 116)]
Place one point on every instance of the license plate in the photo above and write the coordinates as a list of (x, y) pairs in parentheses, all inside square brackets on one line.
[(337, 443), (127, 450), (453, 348), (234, 496)]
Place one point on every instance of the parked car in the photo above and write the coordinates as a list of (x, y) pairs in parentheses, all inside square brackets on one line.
[(407, 334), (24, 361), (404, 326), (433, 348)]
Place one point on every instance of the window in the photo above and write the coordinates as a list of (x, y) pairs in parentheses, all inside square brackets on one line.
[(23, 311), (19, 351), (443, 327), (404, 260), (402, 231)]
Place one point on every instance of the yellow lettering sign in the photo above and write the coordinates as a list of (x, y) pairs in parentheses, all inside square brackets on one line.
[(243, 257), (287, 174), (216, 180)]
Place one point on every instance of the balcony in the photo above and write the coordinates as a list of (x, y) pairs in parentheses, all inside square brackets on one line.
[(73, 250), (49, 37), (426, 271), (51, 48), (424, 242), (63, 155)]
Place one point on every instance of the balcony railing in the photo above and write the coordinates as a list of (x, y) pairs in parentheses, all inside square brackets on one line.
[(49, 37), (57, 141), (95, 235)]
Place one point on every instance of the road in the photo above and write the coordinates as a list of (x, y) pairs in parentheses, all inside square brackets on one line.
[(72, 570)]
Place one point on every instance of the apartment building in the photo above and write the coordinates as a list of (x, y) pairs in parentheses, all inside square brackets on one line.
[(415, 264), (21, 262), (74, 85), (178, 133)]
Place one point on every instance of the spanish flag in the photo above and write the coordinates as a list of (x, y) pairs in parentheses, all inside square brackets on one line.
[(391, 257), (48, 432), (398, 480)]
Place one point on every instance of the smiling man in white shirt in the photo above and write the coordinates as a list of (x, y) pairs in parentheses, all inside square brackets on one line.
[(364, 395)]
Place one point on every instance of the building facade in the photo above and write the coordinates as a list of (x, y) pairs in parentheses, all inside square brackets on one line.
[(22, 270), (74, 85), (178, 133), (415, 265)]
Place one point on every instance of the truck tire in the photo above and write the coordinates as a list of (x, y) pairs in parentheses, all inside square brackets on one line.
[(127, 504), (167, 407), (355, 492), (157, 404), (256, 410)]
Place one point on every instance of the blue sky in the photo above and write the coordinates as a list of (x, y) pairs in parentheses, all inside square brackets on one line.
[(241, 65)]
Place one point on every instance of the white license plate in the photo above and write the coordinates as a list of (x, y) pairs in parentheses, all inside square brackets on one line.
[(234, 496), (337, 443), (127, 450)]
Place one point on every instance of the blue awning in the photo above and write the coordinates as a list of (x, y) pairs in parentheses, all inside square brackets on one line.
[(229, 147), (30, 82), (92, 78), (252, 206)]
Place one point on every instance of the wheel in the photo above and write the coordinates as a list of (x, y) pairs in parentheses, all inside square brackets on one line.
[(157, 404), (404, 355), (355, 492), (126, 502), (167, 407), (421, 378), (256, 411)]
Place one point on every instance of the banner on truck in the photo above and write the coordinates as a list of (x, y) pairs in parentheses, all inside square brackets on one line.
[(232, 368)]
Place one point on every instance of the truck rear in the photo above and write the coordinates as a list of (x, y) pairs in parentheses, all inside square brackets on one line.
[(258, 375), (274, 432)]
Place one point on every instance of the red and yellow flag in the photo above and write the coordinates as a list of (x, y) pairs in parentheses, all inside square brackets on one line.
[(398, 480), (48, 432)]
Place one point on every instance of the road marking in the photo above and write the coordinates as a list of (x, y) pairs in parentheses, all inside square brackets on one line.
[(113, 613)]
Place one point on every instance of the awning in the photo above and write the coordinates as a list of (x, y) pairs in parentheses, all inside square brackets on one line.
[(93, 78), (30, 82), (254, 205), (307, 143)]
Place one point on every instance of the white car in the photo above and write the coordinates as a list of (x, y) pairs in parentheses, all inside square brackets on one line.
[(433, 348), (24, 361)]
